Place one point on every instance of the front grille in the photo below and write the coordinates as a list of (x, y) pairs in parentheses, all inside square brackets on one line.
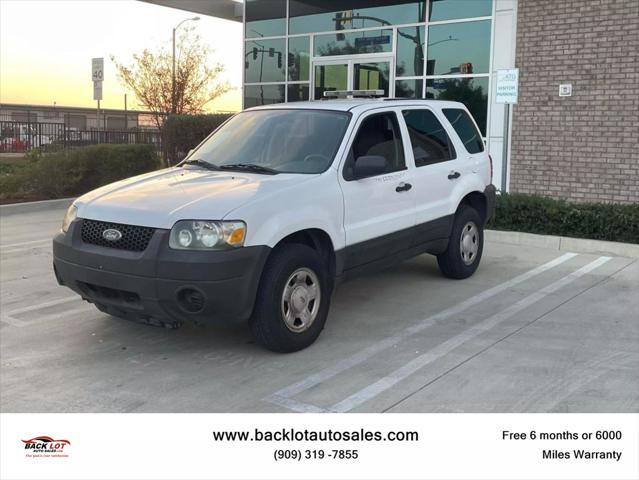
[(134, 238)]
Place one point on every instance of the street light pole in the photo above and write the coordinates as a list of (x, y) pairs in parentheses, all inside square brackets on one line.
[(194, 19)]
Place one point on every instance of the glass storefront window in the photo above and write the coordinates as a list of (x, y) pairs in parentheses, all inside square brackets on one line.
[(264, 61), (255, 95), (298, 58), (370, 41), (408, 88), (298, 92), (265, 18), (458, 48), (410, 51), (454, 9), (472, 92), (307, 16)]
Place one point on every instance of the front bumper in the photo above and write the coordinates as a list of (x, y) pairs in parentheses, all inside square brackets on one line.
[(157, 285)]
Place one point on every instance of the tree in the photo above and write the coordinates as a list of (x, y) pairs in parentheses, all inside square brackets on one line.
[(197, 82)]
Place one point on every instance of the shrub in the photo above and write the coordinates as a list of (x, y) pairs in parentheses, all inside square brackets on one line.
[(536, 214), (181, 133), (76, 171)]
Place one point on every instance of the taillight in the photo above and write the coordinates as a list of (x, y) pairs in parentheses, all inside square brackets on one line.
[(491, 168)]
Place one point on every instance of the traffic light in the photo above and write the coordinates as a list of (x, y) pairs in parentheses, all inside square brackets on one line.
[(279, 59), (254, 53)]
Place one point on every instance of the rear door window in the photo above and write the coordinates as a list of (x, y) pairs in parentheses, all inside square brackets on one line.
[(465, 128), (428, 138)]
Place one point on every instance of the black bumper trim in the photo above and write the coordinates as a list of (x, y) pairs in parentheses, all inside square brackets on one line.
[(490, 192)]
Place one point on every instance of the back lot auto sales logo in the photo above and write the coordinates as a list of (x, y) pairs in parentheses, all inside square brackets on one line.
[(46, 447)]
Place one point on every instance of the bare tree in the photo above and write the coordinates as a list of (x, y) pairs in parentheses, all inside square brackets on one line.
[(197, 82)]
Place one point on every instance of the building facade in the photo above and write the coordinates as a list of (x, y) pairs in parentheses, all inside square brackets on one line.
[(584, 147), (580, 145)]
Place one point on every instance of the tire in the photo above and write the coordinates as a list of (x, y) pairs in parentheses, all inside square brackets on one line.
[(289, 314), (462, 257)]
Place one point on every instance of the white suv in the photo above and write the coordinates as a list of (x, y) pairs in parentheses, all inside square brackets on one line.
[(275, 207)]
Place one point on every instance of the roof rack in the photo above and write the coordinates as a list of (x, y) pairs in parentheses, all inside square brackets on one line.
[(353, 94)]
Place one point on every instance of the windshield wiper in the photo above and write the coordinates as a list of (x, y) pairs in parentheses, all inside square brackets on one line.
[(201, 163), (250, 167)]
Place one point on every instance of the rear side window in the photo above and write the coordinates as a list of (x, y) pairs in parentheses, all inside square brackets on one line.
[(378, 135), (465, 128), (428, 138)]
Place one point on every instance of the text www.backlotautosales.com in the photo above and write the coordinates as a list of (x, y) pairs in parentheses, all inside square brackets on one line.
[(320, 436)]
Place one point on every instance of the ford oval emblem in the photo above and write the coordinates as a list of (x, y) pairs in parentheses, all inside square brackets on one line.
[(112, 235)]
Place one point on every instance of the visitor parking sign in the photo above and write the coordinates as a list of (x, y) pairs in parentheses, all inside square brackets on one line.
[(507, 86)]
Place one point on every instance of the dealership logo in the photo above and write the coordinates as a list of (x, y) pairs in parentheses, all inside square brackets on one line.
[(112, 235), (44, 446)]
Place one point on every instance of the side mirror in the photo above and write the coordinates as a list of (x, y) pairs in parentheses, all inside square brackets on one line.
[(369, 166)]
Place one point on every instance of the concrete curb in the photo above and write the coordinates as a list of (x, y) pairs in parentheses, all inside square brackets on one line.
[(578, 245), (29, 207)]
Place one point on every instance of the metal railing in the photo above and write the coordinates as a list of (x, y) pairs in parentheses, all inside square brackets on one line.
[(22, 137)]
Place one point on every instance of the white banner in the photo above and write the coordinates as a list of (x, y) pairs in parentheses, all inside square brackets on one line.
[(300, 446)]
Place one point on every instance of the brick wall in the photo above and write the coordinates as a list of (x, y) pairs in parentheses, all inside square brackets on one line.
[(584, 147)]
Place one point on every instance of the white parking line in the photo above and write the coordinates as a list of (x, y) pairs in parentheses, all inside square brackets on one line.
[(23, 247), (22, 244), (365, 354), (9, 318), (449, 345), (295, 405)]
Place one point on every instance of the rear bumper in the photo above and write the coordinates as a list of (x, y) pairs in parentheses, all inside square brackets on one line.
[(490, 193), (161, 285)]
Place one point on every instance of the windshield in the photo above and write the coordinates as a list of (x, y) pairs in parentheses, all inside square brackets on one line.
[(282, 141)]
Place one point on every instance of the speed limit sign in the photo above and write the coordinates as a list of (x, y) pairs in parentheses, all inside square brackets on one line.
[(97, 69)]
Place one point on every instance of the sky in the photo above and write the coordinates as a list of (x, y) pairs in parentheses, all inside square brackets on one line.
[(46, 48)]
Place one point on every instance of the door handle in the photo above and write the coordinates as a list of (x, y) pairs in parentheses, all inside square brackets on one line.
[(453, 175), (403, 187)]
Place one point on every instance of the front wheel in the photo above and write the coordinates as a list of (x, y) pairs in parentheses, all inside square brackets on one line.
[(292, 301), (465, 246)]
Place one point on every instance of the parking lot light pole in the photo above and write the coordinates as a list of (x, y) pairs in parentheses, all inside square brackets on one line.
[(194, 19)]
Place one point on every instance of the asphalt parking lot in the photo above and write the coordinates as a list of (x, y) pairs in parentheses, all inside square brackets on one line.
[(534, 330)]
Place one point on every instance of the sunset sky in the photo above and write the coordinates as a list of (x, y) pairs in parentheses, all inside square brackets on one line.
[(46, 48)]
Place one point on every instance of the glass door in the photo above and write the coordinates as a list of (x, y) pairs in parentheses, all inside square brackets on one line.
[(372, 76), (330, 76), (352, 74)]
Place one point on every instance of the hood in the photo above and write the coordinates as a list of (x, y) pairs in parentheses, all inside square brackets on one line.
[(159, 199)]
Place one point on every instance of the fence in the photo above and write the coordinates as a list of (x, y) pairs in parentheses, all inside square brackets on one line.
[(20, 137)]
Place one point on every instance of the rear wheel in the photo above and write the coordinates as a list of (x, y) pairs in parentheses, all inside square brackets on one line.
[(292, 301), (465, 246)]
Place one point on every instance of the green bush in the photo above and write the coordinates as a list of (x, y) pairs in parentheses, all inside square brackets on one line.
[(542, 215), (183, 132), (76, 171)]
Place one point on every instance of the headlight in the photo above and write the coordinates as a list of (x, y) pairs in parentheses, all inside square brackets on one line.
[(71, 215), (207, 235)]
